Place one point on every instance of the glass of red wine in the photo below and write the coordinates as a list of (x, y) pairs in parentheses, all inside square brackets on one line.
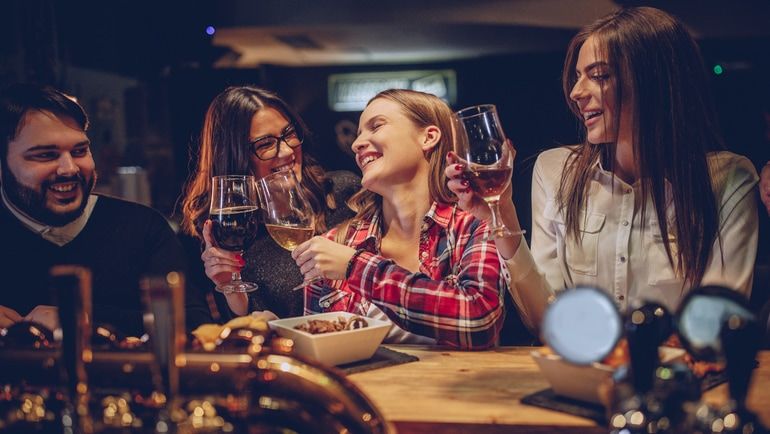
[(488, 157), (234, 218)]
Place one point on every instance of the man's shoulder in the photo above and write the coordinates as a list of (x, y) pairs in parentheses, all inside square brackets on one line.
[(127, 213), (114, 203)]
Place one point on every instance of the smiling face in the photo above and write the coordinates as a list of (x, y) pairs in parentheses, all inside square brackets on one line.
[(390, 148), (605, 118), (270, 122), (49, 170)]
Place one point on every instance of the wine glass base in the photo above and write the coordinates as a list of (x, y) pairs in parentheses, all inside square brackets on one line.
[(503, 232), (237, 286)]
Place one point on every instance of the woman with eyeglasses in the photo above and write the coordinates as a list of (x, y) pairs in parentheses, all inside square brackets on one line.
[(251, 131)]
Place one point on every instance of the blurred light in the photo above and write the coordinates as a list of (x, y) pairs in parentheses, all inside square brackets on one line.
[(718, 69), (210, 30)]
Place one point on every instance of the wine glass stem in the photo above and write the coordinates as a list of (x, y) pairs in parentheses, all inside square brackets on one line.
[(495, 208), (236, 275)]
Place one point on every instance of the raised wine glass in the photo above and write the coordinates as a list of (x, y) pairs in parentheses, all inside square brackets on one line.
[(233, 212), (288, 216), (481, 142)]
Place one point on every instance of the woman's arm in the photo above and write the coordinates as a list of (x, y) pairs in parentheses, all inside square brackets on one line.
[(764, 187), (462, 311), (733, 255), (528, 286)]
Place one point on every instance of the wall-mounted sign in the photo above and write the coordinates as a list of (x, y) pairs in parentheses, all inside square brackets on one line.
[(351, 92)]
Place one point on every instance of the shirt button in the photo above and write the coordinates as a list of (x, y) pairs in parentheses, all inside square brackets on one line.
[(628, 191), (424, 255), (622, 259), (625, 223), (621, 297)]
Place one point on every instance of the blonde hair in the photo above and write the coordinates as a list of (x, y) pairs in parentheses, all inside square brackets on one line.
[(424, 110)]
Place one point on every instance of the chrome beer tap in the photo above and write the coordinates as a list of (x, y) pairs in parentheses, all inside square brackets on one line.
[(716, 324), (163, 298), (636, 407), (72, 290)]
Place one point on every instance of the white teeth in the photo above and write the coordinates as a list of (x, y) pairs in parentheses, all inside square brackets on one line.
[(589, 115), (368, 159), (63, 188), (284, 167)]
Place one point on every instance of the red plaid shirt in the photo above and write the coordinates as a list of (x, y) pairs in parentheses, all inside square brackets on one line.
[(455, 298)]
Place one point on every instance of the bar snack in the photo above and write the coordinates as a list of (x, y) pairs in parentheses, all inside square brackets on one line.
[(318, 326)]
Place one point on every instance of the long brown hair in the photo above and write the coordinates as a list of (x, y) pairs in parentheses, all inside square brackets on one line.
[(424, 110), (224, 150), (658, 69)]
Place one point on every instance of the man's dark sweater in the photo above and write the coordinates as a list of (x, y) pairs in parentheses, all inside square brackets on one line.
[(121, 242)]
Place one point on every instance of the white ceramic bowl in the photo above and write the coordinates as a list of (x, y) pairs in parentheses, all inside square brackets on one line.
[(334, 348), (582, 382)]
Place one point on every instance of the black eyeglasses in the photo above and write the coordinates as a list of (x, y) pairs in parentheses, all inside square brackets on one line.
[(266, 148)]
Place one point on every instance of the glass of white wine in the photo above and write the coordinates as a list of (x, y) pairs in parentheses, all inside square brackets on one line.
[(288, 216)]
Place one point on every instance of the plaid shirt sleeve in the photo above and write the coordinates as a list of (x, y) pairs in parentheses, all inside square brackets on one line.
[(461, 310)]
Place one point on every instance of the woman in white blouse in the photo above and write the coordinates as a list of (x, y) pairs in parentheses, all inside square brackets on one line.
[(650, 165)]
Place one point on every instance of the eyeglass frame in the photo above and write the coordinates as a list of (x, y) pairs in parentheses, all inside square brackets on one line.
[(289, 129)]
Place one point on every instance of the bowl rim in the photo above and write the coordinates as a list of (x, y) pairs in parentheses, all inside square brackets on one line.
[(281, 323)]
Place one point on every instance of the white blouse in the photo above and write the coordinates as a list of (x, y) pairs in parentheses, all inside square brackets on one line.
[(622, 252)]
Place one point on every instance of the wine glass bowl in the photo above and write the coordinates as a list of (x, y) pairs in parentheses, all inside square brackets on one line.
[(235, 219), (480, 142), (288, 216)]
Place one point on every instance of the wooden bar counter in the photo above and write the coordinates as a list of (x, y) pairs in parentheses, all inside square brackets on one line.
[(480, 392)]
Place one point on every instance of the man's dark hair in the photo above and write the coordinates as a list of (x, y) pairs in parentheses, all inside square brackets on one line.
[(16, 100)]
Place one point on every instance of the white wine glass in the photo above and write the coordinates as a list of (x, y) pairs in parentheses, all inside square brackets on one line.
[(287, 215), (481, 143), (235, 220)]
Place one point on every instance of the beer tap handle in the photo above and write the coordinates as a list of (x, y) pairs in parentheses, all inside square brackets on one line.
[(72, 291), (740, 342), (163, 298), (646, 328)]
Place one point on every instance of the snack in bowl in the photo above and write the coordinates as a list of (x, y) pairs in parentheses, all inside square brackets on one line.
[(317, 326), (333, 347)]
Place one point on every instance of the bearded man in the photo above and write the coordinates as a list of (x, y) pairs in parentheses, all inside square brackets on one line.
[(49, 216)]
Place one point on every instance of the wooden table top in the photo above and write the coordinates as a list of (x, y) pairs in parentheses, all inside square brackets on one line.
[(460, 392)]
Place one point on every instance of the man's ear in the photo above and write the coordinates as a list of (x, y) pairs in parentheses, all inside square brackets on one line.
[(431, 137)]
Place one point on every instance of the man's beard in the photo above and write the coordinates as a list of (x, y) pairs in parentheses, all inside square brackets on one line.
[(33, 202)]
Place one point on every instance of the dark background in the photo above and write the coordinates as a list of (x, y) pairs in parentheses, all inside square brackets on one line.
[(145, 72)]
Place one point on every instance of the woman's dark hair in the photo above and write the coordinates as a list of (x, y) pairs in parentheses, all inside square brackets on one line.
[(16, 100), (224, 150), (658, 70)]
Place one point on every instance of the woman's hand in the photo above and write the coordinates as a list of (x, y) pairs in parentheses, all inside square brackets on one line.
[(8, 317), (45, 315), (468, 200), (321, 257), (220, 265), (764, 186), (475, 204)]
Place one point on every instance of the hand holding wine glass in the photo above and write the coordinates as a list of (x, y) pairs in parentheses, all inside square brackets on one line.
[(487, 158), (234, 221), (288, 216)]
